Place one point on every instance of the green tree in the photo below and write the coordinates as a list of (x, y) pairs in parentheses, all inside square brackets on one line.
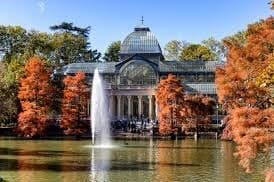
[(9, 107), (12, 41), (69, 27), (173, 49), (71, 44), (68, 44), (68, 48), (13, 71), (39, 43), (10, 74), (217, 47), (197, 52), (112, 53)]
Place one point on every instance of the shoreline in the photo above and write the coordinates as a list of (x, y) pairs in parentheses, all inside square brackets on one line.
[(122, 136)]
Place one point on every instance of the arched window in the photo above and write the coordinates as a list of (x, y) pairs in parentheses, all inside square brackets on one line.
[(138, 73)]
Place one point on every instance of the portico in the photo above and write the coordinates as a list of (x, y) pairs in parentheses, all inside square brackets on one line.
[(131, 105)]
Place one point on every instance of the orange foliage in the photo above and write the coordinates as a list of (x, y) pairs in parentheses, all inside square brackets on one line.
[(250, 130), (34, 95), (177, 108), (269, 175), (247, 103), (236, 81), (197, 109), (170, 98), (74, 104)]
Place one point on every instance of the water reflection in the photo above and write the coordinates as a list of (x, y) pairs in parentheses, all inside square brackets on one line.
[(100, 164), (163, 156), (151, 154), (153, 160), (25, 167)]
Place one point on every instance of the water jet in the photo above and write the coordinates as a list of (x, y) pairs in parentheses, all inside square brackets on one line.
[(100, 122)]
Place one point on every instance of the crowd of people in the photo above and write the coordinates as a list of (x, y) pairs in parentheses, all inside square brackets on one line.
[(134, 125)]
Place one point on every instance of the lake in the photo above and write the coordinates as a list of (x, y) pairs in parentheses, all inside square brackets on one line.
[(130, 160)]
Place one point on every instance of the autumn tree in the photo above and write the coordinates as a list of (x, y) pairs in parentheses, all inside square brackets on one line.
[(266, 79), (197, 110), (34, 95), (74, 104), (248, 103), (239, 38), (177, 108), (170, 98), (250, 131)]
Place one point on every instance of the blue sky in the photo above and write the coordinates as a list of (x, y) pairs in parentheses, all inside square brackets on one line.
[(190, 20)]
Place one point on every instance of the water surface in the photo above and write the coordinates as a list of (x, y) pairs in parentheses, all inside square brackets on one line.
[(151, 160)]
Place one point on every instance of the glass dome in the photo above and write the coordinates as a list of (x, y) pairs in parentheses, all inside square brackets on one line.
[(138, 73), (140, 41)]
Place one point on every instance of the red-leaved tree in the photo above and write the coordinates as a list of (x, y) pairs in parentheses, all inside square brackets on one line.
[(177, 108), (169, 98), (197, 110), (34, 95), (74, 105), (246, 100)]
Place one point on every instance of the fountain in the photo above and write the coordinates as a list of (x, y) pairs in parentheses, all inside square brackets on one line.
[(100, 128)]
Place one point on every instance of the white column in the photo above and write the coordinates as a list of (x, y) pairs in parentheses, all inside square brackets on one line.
[(122, 113), (111, 105), (129, 107), (118, 106), (139, 106), (150, 107)]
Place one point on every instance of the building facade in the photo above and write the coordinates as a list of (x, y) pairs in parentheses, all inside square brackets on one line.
[(130, 83)]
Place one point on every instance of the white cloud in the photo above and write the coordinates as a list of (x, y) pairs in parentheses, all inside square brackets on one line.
[(42, 5)]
